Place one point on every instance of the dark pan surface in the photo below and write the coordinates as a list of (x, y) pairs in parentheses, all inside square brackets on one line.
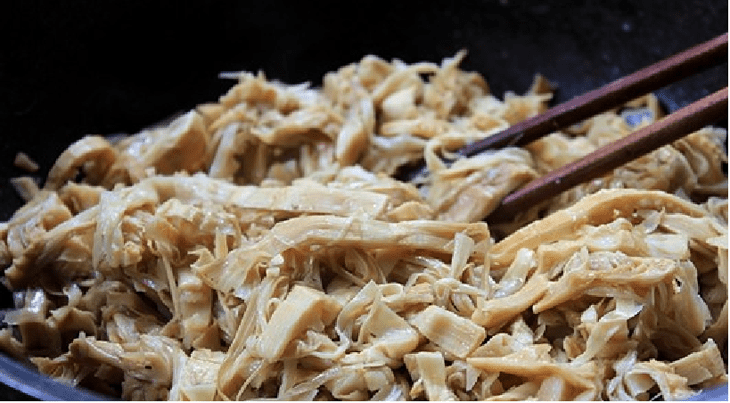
[(73, 68)]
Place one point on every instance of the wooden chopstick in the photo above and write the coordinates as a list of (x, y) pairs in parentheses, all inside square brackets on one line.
[(693, 117), (616, 93)]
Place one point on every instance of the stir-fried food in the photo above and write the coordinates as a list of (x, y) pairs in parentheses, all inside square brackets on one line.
[(260, 247)]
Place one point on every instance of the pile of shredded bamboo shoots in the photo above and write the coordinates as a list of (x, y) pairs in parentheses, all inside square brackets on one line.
[(259, 247)]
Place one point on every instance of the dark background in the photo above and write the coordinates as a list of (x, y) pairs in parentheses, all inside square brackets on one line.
[(70, 68)]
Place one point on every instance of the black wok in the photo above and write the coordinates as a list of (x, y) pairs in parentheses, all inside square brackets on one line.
[(73, 68)]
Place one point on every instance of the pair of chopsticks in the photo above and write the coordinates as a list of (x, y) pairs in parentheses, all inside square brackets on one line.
[(693, 117)]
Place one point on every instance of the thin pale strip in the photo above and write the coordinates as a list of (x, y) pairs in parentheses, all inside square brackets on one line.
[(580, 376), (456, 335), (290, 199), (301, 308), (431, 369), (89, 148), (599, 208), (305, 232), (642, 274), (498, 311), (700, 365)]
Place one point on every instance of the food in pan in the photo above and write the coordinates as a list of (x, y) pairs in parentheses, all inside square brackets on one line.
[(260, 247)]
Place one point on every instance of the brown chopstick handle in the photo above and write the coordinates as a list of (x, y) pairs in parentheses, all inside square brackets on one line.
[(709, 109), (616, 93)]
